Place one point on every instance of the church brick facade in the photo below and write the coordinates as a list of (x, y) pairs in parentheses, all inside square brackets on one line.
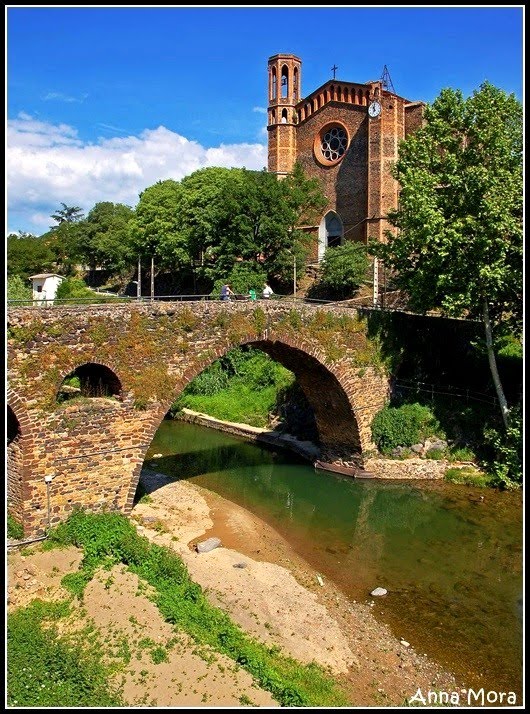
[(346, 135)]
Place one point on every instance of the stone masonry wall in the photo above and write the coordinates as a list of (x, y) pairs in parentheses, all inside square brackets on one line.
[(91, 450), (14, 478)]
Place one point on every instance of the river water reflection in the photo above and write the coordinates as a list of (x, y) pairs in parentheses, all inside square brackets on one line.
[(450, 556)]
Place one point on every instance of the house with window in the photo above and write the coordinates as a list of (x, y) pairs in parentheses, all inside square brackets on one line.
[(45, 286)]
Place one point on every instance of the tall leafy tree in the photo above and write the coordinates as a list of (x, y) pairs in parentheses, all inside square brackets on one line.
[(105, 237), (64, 242), (458, 245), (205, 219), (63, 239), (228, 215), (304, 202), (28, 255), (68, 214), (156, 230)]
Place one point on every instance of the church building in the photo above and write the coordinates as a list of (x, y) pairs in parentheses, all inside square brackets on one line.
[(346, 134)]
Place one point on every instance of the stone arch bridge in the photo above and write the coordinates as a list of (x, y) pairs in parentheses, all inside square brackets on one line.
[(88, 452)]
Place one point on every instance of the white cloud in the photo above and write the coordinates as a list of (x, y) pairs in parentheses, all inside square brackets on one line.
[(48, 164), (260, 110), (59, 96)]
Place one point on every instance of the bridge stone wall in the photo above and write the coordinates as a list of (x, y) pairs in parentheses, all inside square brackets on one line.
[(89, 452)]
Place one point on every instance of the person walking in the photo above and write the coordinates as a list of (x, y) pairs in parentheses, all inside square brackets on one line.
[(267, 291), (226, 292)]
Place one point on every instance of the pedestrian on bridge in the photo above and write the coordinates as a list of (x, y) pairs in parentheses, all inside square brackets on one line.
[(226, 292), (267, 291)]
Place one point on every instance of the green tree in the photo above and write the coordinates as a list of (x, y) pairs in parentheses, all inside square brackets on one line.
[(105, 239), (67, 214), (64, 242), (28, 255), (305, 202), (17, 289), (205, 221), (344, 268), (458, 244), (64, 238), (156, 230), (229, 215)]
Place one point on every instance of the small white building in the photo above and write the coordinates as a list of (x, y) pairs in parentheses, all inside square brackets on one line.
[(45, 286)]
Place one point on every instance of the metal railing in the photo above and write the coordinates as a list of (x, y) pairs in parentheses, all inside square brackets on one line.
[(110, 298)]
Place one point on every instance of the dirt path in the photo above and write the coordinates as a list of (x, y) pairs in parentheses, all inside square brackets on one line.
[(257, 578)]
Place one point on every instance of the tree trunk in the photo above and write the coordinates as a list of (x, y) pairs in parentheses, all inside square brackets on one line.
[(493, 365)]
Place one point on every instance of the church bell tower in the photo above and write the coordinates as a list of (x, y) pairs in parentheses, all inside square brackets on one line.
[(284, 94)]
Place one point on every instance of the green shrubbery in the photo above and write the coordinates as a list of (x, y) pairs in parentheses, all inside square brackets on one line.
[(468, 476), (344, 269), (242, 386), (505, 447), (403, 426), (111, 538), (75, 289), (18, 290), (478, 436), (15, 531), (244, 276), (45, 669)]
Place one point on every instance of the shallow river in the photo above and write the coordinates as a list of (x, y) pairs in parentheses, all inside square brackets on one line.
[(450, 556)]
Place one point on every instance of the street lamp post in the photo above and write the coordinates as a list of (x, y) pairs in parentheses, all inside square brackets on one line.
[(294, 275), (290, 231), (139, 286)]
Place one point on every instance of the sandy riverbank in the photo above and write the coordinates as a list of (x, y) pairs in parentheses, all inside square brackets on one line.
[(276, 596)]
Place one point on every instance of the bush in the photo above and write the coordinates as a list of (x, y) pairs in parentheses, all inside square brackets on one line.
[(213, 380), (344, 268), (506, 450), (403, 426), (243, 277), (467, 476), (15, 531), (73, 288), (17, 289)]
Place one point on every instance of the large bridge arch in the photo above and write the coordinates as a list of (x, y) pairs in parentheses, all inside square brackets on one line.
[(92, 450), (332, 392), (330, 396)]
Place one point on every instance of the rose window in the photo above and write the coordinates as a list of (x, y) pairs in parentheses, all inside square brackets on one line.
[(334, 143)]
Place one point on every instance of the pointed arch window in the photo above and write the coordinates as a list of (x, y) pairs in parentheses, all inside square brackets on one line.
[(296, 88), (333, 230), (330, 233), (285, 82), (274, 84)]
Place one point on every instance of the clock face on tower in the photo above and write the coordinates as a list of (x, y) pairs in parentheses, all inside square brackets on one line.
[(374, 109)]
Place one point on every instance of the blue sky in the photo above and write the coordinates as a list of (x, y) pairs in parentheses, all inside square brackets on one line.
[(102, 102)]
